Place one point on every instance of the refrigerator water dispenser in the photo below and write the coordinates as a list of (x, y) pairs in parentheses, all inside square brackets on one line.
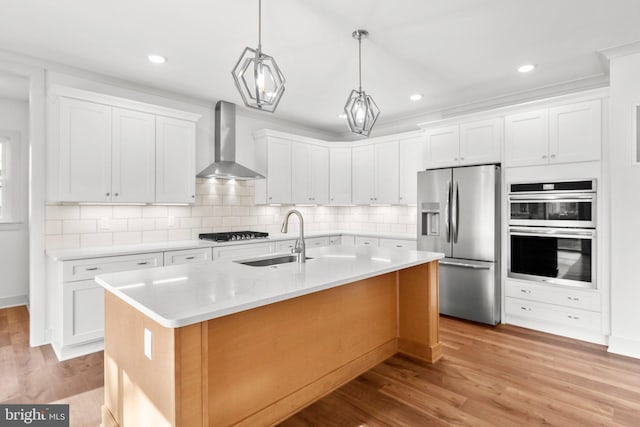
[(431, 219)]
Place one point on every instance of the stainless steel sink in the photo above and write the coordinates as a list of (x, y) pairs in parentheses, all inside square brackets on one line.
[(265, 262)]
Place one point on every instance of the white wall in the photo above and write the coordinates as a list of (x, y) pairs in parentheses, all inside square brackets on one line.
[(625, 209), (14, 239)]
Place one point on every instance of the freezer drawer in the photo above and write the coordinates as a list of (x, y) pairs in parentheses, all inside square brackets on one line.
[(470, 290)]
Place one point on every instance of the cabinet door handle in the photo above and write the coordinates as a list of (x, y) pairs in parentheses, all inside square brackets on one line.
[(455, 159), (553, 156), (190, 257), (116, 194), (525, 308), (365, 243), (399, 246), (143, 263), (544, 156), (525, 291), (108, 194), (573, 317), (573, 298), (461, 158), (91, 269), (193, 196)]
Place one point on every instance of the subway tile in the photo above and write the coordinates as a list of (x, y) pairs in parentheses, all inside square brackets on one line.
[(194, 222), (211, 221), (155, 211), (141, 224), (96, 212), (179, 234), (201, 211), (179, 211), (76, 226), (62, 212), (53, 227), (62, 241), (127, 211), (118, 225), (154, 236), (89, 240), (127, 238)]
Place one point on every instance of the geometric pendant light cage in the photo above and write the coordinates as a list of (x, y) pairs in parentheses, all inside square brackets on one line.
[(258, 77), (360, 108)]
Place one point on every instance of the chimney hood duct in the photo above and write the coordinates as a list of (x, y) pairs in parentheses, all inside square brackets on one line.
[(224, 165)]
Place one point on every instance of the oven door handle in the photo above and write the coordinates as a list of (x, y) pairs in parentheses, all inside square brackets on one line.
[(562, 233), (552, 197)]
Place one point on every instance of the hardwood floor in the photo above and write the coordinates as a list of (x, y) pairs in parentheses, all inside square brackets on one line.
[(33, 374), (489, 376)]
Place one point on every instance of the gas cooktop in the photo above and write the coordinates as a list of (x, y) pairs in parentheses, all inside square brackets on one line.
[(233, 235)]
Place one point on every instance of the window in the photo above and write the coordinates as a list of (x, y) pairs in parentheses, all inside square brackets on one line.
[(10, 197), (3, 156)]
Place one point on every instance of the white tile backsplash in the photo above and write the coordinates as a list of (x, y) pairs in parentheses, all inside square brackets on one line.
[(220, 206)]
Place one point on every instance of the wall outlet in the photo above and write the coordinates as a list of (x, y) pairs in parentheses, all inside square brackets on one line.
[(104, 223), (147, 343)]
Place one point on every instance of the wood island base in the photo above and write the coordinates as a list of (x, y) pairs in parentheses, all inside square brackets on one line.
[(260, 366)]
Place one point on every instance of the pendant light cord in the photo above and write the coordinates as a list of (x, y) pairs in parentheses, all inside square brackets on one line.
[(259, 24), (359, 63)]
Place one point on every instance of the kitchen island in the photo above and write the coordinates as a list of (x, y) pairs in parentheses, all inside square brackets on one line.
[(222, 343)]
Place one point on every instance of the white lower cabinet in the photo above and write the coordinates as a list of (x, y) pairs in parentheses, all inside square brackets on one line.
[(317, 242), (367, 241), (187, 256), (77, 301), (558, 309), (82, 312), (397, 243), (243, 251), (335, 240)]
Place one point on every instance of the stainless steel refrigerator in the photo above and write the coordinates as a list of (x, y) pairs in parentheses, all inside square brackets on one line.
[(459, 214)]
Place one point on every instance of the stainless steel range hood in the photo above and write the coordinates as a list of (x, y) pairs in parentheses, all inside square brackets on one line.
[(225, 165)]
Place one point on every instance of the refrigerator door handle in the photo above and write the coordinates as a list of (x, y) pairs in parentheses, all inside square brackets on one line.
[(447, 218), (455, 214), (465, 265)]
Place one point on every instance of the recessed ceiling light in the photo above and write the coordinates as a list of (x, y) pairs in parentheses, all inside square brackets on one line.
[(526, 68), (342, 116), (416, 97), (157, 59)]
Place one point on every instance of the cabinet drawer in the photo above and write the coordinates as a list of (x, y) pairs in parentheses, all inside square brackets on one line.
[(89, 268), (285, 245), (317, 242), (242, 251), (575, 298), (367, 241), (398, 243), (187, 256), (83, 312), (335, 240), (564, 316)]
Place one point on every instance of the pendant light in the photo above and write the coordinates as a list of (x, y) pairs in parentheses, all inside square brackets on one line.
[(362, 112), (258, 77)]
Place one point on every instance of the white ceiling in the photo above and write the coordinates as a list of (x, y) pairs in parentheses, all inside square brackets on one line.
[(455, 52)]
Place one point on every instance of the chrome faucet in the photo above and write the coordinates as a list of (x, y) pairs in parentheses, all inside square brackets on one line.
[(299, 248)]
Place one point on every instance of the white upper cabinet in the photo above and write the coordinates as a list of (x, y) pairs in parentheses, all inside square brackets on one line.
[(108, 149), (85, 151), (273, 160), (527, 138), (444, 146), (480, 142), (375, 174), (575, 132), (310, 174), (133, 156), (364, 187), (340, 176), (465, 144), (569, 133), (414, 157), (175, 160)]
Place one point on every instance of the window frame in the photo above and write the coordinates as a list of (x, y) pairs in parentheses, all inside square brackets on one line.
[(11, 169)]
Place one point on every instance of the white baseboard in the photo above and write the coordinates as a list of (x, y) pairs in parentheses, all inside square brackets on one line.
[(624, 347), (69, 352), (576, 334), (7, 302)]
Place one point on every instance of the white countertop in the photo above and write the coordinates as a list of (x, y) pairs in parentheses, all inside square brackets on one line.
[(81, 253), (181, 295)]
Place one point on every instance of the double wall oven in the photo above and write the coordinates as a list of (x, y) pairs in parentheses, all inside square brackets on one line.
[(552, 232)]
